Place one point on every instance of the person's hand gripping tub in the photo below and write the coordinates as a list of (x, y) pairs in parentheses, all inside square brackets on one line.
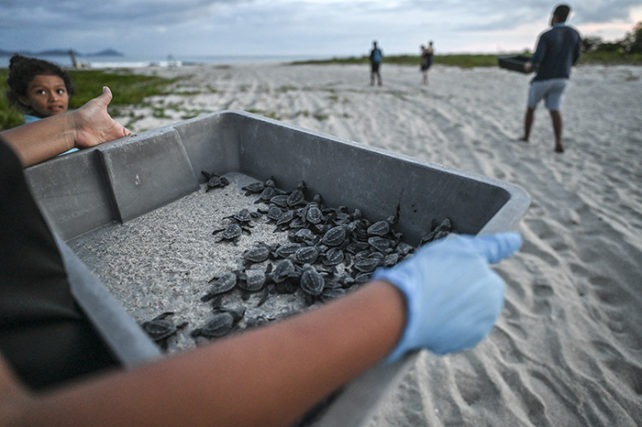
[(452, 296)]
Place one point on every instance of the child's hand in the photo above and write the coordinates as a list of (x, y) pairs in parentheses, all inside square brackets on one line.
[(452, 295), (93, 125)]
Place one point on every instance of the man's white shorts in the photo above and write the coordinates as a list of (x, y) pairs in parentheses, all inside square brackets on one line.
[(552, 91)]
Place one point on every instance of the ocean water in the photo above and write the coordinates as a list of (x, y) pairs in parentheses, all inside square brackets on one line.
[(133, 61)]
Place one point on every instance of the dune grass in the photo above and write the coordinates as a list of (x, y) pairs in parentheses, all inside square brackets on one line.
[(478, 60)]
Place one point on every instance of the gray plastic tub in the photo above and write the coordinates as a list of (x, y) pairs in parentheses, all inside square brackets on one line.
[(123, 179)]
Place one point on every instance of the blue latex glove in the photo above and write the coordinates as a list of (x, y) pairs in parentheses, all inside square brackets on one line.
[(452, 295)]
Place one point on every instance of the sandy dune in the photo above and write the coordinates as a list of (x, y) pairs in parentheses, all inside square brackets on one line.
[(567, 349)]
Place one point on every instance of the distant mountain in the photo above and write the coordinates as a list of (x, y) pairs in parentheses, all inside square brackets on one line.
[(60, 52)]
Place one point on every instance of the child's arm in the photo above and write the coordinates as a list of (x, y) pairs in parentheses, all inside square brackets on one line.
[(85, 127)]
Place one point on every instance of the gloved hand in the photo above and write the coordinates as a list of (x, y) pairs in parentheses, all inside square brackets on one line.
[(452, 295)]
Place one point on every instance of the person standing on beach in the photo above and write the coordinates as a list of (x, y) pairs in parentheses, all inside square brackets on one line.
[(558, 49), (376, 57), (426, 60)]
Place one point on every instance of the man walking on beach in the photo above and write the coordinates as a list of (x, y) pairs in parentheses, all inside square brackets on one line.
[(376, 56), (558, 49)]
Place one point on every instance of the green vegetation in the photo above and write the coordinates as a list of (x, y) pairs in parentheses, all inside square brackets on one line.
[(628, 50), (127, 88)]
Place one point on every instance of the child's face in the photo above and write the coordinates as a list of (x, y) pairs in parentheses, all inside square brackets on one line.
[(46, 95)]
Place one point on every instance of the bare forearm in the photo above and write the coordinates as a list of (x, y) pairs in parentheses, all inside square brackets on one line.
[(278, 371), (41, 140)]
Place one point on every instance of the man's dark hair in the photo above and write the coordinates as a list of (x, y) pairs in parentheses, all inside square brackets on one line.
[(23, 69), (561, 12)]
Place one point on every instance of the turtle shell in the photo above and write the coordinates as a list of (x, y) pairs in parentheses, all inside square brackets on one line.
[(282, 271), (286, 249), (379, 228), (334, 236), (281, 200), (258, 254), (295, 198), (285, 217), (253, 188), (306, 255), (220, 285), (219, 325), (333, 256), (380, 243), (231, 232), (367, 265), (253, 282), (274, 213), (314, 215), (312, 282)]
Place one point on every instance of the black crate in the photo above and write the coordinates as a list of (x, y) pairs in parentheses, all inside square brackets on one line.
[(514, 63)]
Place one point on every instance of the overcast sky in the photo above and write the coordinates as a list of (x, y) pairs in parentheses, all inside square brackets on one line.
[(279, 27)]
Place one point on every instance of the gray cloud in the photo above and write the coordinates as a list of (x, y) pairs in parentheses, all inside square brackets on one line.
[(277, 26)]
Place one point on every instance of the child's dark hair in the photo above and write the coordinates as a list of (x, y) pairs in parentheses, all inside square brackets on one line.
[(23, 69)]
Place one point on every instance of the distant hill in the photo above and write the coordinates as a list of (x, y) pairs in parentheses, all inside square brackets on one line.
[(60, 52)]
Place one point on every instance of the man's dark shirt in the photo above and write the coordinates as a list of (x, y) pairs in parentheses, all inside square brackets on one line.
[(558, 49), (44, 336)]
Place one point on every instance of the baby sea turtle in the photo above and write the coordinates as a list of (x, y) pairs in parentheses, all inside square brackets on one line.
[(313, 214), (439, 231), (303, 235), (281, 200), (160, 328), (284, 269), (380, 243), (231, 232), (214, 181), (286, 249), (379, 228), (367, 265), (333, 256), (311, 281), (266, 195), (221, 284), (335, 236), (306, 255), (243, 217), (251, 280), (297, 197), (253, 188), (220, 324), (274, 213), (257, 254), (284, 218)]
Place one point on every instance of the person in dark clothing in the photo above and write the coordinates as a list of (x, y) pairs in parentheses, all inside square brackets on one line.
[(558, 49), (376, 57), (426, 60)]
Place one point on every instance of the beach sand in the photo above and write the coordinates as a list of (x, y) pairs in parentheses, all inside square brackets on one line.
[(567, 349)]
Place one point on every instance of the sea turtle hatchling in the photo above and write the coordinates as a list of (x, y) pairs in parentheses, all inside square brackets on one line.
[(221, 284), (220, 324), (306, 255), (335, 236), (214, 181), (256, 255), (333, 256), (160, 328), (231, 232), (297, 197), (243, 217), (251, 280), (284, 250), (311, 281)]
